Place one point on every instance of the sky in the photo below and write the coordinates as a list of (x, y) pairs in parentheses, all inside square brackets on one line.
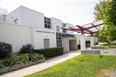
[(76, 12)]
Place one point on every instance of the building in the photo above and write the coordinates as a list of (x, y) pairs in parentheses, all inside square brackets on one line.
[(26, 26)]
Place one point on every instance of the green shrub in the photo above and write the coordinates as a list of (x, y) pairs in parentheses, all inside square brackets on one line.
[(1, 64), (5, 50), (26, 49), (23, 58), (50, 52), (35, 56), (87, 45), (96, 43), (20, 59)]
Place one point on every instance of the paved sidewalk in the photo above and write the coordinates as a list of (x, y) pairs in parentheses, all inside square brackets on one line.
[(41, 66), (109, 51)]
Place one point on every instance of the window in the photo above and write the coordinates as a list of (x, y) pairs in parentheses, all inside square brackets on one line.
[(64, 25), (59, 42), (47, 22), (64, 31), (57, 28), (16, 21), (46, 43)]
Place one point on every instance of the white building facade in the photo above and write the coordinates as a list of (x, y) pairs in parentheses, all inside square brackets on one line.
[(26, 26)]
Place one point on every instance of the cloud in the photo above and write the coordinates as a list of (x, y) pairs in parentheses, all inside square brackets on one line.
[(72, 11)]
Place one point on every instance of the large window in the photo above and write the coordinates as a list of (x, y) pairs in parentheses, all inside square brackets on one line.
[(46, 43), (47, 22)]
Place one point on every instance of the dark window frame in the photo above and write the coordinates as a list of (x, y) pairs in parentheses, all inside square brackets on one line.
[(47, 23)]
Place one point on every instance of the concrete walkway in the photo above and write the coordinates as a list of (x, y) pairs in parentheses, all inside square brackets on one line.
[(109, 51), (41, 66)]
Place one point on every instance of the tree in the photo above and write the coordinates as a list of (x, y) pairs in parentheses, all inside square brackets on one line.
[(99, 10), (111, 13), (107, 34), (103, 11)]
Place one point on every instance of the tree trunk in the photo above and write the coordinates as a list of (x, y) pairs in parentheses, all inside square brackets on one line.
[(109, 44)]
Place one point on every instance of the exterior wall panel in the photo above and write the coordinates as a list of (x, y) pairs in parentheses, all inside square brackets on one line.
[(32, 18), (16, 14), (40, 35), (56, 22), (15, 35), (19, 36)]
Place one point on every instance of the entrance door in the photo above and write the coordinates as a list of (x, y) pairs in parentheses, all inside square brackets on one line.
[(72, 44), (46, 43)]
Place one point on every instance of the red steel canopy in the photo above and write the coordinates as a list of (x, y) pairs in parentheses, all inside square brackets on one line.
[(90, 28)]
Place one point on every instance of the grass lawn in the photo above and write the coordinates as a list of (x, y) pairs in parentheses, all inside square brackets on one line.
[(107, 47), (80, 66)]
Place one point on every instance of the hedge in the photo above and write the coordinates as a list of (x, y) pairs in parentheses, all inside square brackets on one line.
[(50, 52)]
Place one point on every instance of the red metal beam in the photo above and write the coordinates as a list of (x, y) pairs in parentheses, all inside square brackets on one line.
[(77, 30), (82, 29), (73, 28)]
